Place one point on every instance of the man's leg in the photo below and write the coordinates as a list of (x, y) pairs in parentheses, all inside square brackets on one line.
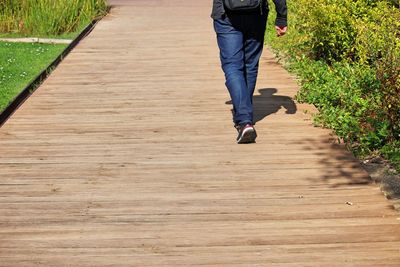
[(230, 42), (253, 47)]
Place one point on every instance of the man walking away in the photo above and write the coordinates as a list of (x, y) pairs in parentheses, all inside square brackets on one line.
[(240, 28)]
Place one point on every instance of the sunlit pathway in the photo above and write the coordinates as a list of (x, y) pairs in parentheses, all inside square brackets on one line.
[(126, 156)]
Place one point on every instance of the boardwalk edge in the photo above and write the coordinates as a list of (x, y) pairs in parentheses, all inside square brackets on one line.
[(42, 76)]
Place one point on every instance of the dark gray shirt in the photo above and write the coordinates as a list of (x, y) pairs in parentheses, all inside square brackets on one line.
[(280, 6)]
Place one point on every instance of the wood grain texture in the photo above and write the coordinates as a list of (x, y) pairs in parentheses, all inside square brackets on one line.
[(126, 156)]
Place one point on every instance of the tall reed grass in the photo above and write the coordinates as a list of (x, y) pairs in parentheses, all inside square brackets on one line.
[(48, 17)]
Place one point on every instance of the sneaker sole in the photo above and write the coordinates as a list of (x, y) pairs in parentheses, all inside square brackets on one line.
[(249, 136)]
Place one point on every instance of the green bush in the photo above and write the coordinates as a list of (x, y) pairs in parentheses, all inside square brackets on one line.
[(332, 27), (347, 54), (347, 97), (47, 17), (379, 45)]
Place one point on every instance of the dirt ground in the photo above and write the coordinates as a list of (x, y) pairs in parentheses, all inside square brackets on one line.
[(386, 176)]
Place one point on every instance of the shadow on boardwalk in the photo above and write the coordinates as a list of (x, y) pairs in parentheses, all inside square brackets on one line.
[(266, 103), (339, 164)]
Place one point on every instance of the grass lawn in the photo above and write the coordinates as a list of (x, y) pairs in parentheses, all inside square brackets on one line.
[(20, 63)]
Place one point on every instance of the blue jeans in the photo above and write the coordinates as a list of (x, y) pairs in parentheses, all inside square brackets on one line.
[(240, 39)]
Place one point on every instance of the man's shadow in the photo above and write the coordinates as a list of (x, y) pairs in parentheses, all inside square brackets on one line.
[(266, 103)]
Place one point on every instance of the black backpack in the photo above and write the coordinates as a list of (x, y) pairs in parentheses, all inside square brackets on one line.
[(237, 5)]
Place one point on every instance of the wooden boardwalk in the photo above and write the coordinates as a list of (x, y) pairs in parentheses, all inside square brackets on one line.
[(126, 156)]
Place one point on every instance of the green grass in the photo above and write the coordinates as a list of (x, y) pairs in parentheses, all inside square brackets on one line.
[(48, 18), (21, 63)]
